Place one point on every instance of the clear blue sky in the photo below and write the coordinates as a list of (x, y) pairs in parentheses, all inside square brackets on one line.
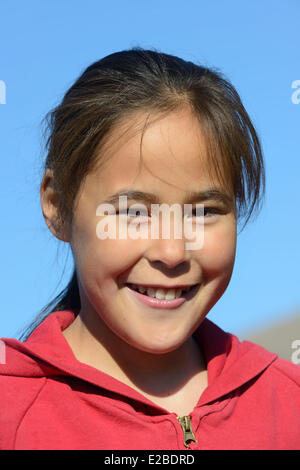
[(46, 44)]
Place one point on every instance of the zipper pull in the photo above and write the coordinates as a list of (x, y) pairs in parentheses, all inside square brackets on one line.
[(185, 422)]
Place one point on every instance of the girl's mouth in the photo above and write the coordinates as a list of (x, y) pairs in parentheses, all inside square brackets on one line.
[(162, 298)]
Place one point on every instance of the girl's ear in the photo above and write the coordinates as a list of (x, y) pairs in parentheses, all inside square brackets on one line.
[(49, 203)]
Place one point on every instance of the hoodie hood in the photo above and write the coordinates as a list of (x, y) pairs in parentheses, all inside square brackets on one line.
[(46, 353), (50, 401)]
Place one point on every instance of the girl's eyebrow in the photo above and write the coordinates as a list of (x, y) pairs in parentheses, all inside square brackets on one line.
[(191, 197)]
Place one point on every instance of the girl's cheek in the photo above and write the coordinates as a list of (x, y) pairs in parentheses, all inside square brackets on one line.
[(218, 252), (112, 258)]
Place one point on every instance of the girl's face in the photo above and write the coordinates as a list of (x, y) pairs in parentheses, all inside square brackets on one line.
[(173, 165)]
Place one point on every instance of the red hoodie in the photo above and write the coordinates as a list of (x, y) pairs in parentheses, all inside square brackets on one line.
[(49, 400)]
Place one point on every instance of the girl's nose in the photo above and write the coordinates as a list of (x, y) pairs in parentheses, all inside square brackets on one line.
[(170, 246), (171, 252)]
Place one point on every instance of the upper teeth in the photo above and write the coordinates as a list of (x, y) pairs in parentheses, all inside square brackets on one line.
[(162, 294)]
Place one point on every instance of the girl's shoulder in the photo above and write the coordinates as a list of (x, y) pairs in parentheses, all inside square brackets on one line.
[(287, 371), (17, 395), (21, 381)]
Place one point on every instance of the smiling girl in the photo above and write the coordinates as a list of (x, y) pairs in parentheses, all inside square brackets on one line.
[(124, 358)]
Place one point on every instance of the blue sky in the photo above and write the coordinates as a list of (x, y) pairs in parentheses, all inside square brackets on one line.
[(45, 45)]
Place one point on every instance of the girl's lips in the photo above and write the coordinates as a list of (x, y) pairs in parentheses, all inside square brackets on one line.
[(163, 304)]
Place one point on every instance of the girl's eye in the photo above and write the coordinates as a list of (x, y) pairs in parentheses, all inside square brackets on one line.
[(211, 211), (208, 212), (136, 213), (141, 215)]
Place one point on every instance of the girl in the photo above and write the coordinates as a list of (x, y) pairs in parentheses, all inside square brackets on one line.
[(126, 358)]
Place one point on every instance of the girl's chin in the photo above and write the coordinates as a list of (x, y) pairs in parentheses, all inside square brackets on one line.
[(147, 344)]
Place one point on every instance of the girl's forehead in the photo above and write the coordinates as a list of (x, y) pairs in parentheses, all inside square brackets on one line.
[(156, 130), (169, 147), (164, 156)]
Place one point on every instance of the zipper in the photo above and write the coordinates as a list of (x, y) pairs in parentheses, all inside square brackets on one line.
[(188, 434)]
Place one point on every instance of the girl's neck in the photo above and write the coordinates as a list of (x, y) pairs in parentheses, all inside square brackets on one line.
[(157, 376)]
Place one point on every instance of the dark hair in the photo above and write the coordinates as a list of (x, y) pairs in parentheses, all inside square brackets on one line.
[(123, 83)]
